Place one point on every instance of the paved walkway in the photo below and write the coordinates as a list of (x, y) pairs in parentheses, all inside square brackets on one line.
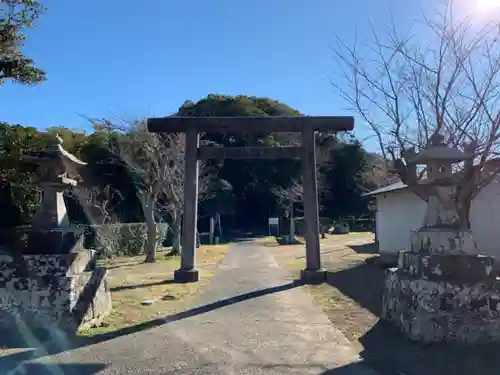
[(249, 320)]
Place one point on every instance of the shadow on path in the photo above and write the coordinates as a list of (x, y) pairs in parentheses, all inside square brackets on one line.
[(367, 248), (18, 339), (362, 283), (388, 351), (53, 369), (358, 368), (196, 311), (138, 286)]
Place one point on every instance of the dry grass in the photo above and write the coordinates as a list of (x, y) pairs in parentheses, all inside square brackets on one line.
[(132, 282)]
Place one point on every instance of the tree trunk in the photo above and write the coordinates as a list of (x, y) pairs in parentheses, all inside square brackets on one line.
[(292, 223), (150, 247), (176, 241)]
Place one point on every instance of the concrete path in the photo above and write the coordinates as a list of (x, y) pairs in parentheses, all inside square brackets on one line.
[(249, 320)]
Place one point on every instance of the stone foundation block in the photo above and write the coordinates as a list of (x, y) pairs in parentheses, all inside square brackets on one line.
[(456, 268), (313, 277), (186, 275), (430, 311), (37, 265), (62, 290), (67, 302), (443, 241)]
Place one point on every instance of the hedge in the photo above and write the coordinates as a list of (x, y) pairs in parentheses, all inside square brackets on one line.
[(128, 239)]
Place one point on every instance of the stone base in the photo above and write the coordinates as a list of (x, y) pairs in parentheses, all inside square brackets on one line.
[(443, 241), (459, 269), (431, 311), (313, 276), (186, 275), (50, 292)]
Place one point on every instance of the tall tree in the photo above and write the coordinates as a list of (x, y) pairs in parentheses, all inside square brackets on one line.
[(18, 180), (156, 162), (15, 17), (251, 180), (344, 178), (441, 76)]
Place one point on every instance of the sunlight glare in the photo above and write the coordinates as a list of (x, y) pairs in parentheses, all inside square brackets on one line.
[(487, 5)]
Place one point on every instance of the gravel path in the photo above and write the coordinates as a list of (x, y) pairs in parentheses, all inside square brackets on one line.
[(249, 320)]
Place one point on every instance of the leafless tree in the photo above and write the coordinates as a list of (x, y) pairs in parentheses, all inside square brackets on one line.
[(292, 193), (157, 163), (99, 203), (290, 196), (441, 76)]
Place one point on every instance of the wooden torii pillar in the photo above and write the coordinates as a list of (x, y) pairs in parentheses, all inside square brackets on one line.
[(192, 126)]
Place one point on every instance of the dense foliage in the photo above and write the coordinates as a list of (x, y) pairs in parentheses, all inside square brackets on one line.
[(15, 17), (241, 191)]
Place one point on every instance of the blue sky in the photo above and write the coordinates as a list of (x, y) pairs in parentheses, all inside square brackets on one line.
[(108, 58)]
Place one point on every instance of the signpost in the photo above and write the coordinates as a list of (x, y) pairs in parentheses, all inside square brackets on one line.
[(274, 226)]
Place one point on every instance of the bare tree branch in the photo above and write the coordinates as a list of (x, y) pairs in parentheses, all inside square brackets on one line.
[(407, 87), (99, 203), (156, 161)]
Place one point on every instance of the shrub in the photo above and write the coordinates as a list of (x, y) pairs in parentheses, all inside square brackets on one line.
[(127, 239)]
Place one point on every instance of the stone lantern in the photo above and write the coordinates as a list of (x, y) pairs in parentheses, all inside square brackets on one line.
[(51, 231), (442, 289), (442, 230), (52, 283)]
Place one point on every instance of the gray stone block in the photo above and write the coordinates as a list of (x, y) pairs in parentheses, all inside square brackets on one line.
[(454, 268), (443, 241), (431, 311), (313, 277), (63, 291), (186, 275)]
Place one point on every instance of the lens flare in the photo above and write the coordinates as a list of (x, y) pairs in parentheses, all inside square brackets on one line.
[(487, 5)]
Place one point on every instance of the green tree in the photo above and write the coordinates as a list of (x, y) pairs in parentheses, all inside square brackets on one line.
[(344, 178), (15, 17), (18, 180), (251, 180)]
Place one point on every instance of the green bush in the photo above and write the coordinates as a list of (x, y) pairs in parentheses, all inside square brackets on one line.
[(128, 239)]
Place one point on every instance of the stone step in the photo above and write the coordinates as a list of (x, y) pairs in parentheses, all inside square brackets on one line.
[(38, 265)]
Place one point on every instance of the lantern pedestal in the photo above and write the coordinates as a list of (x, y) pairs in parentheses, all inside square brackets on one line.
[(52, 293), (443, 298), (49, 282), (443, 241), (442, 289)]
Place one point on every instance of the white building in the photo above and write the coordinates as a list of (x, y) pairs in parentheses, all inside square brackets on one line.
[(399, 211)]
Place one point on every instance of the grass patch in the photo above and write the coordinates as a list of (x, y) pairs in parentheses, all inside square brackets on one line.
[(132, 282)]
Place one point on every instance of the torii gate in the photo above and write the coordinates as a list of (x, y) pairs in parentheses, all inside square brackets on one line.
[(192, 126)]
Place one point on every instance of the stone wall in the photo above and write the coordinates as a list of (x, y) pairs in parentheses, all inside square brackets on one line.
[(444, 298), (53, 290)]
